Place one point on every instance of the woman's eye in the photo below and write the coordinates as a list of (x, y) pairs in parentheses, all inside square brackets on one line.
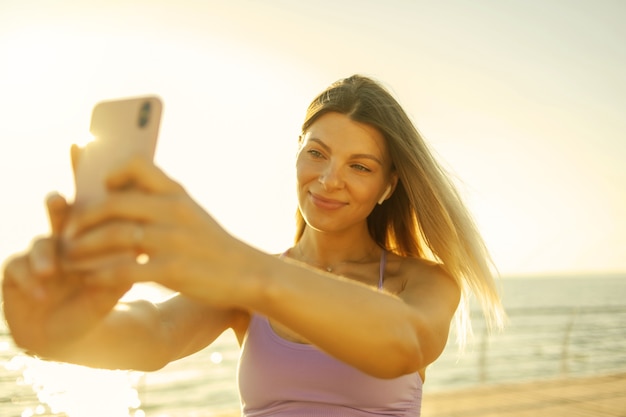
[(315, 153), (360, 167)]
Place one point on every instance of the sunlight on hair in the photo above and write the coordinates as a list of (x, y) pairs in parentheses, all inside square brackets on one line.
[(78, 391)]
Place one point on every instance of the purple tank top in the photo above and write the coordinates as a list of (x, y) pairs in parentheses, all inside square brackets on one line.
[(281, 378)]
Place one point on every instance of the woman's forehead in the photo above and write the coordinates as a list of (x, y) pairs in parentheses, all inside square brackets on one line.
[(339, 130)]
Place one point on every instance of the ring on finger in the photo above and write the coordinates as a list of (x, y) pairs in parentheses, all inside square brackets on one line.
[(138, 235)]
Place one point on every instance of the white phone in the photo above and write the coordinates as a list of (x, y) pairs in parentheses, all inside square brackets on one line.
[(121, 129)]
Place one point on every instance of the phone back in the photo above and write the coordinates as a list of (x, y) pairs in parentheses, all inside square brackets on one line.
[(121, 129)]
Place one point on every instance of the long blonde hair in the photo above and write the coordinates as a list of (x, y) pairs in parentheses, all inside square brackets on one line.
[(425, 216)]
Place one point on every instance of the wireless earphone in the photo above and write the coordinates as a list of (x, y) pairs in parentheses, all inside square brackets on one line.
[(385, 195)]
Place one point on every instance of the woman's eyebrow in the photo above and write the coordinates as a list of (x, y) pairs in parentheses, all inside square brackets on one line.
[(322, 144), (368, 156), (356, 156)]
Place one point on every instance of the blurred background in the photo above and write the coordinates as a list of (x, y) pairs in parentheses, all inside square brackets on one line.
[(522, 101)]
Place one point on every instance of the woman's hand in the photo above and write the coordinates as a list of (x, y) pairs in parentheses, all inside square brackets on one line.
[(46, 308), (148, 213)]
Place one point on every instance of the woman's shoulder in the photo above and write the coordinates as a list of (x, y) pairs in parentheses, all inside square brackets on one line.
[(417, 271), (412, 266)]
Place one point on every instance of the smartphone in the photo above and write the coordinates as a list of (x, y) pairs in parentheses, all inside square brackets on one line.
[(121, 129)]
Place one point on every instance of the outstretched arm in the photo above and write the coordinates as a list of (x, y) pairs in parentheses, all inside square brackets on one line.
[(66, 320), (54, 314), (383, 334)]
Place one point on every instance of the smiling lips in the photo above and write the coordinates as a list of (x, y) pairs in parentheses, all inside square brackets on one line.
[(326, 203)]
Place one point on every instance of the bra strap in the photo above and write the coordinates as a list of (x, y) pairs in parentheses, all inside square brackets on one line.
[(383, 263)]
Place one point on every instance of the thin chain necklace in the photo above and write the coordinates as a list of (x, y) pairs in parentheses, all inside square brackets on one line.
[(331, 268)]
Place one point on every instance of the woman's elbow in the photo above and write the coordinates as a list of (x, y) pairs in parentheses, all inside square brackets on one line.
[(402, 357)]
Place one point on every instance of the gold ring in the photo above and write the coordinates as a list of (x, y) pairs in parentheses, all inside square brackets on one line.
[(141, 257), (138, 237)]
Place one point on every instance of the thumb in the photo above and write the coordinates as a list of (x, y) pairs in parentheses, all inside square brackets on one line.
[(58, 211), (75, 152)]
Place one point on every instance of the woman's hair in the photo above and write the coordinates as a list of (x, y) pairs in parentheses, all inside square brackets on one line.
[(424, 217)]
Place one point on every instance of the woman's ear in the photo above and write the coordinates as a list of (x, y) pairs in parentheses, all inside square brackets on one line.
[(390, 189), (385, 195)]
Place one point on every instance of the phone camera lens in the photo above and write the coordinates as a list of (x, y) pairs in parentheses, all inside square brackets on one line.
[(144, 114)]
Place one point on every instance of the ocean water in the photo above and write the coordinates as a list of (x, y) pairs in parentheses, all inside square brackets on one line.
[(558, 326)]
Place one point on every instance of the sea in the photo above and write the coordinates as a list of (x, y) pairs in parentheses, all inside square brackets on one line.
[(568, 325)]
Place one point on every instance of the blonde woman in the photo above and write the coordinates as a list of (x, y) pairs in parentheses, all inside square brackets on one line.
[(344, 323)]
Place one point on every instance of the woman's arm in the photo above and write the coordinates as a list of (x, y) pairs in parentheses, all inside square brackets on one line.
[(145, 336), (57, 315), (382, 334), (69, 321)]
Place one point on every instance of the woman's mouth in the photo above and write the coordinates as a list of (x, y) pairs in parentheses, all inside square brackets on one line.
[(326, 203)]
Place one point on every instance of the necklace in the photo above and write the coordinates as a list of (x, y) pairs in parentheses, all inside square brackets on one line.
[(331, 268)]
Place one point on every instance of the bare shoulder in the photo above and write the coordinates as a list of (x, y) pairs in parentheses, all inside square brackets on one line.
[(432, 296), (418, 280)]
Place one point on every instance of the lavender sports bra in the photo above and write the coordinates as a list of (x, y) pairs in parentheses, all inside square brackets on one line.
[(281, 378)]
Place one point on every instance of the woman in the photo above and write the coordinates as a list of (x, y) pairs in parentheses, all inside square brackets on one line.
[(343, 323)]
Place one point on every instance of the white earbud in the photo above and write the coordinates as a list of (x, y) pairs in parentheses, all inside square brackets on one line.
[(385, 195)]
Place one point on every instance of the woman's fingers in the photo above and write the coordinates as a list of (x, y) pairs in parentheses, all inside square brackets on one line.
[(114, 236), (143, 174), (18, 274), (75, 153), (58, 211), (138, 191), (128, 237), (124, 205), (123, 273), (170, 271), (42, 257)]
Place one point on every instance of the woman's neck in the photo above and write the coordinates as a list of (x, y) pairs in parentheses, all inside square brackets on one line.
[(325, 251)]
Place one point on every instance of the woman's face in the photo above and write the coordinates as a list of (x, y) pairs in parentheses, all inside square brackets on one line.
[(343, 169)]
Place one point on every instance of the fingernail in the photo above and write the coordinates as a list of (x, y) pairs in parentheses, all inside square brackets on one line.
[(42, 264), (52, 195)]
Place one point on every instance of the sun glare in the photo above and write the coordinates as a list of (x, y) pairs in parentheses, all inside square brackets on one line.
[(77, 391), (84, 140), (232, 111)]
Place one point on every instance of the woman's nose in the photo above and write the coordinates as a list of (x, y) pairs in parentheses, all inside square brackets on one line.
[(330, 177)]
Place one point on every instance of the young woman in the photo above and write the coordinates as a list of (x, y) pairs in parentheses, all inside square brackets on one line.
[(344, 323)]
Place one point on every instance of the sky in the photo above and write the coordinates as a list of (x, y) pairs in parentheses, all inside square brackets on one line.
[(523, 103)]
